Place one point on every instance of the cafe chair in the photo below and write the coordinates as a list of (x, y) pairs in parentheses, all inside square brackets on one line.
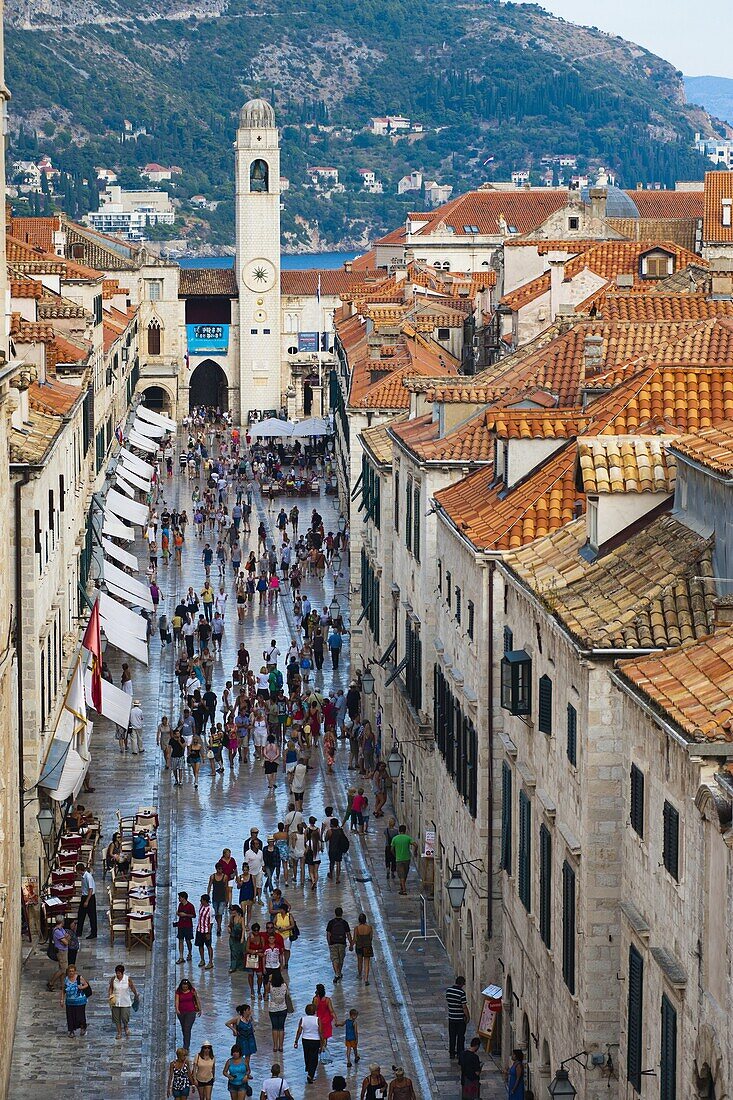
[(117, 926), (140, 930)]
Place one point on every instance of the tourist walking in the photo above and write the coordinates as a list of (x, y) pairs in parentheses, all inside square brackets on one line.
[(179, 1075), (471, 1071), (88, 902), (364, 945), (309, 1030), (278, 1002), (401, 1087), (243, 1028), (237, 1074), (237, 934), (374, 1086), (403, 846), (75, 992), (338, 934), (121, 993), (203, 932), (58, 951), (188, 1008), (458, 1016), (275, 1087), (204, 1071)]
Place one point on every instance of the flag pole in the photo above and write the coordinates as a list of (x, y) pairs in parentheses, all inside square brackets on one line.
[(320, 337)]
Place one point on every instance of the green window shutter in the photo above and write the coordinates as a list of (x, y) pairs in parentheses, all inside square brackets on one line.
[(671, 840), (668, 1054), (545, 886), (572, 745), (525, 851), (508, 640), (377, 509), (416, 524), (544, 705), (634, 1029), (637, 800), (408, 514), (568, 926), (506, 818)]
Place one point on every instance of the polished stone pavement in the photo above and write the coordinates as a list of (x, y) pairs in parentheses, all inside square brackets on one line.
[(401, 1014)]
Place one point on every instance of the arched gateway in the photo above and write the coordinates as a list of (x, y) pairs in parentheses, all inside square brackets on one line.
[(208, 386)]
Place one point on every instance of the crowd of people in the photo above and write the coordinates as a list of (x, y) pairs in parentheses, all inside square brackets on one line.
[(271, 708)]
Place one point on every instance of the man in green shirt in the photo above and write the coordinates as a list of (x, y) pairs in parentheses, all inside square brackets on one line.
[(402, 846)]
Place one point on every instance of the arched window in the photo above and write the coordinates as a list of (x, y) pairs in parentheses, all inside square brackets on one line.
[(446, 266), (259, 176), (154, 337), (292, 350)]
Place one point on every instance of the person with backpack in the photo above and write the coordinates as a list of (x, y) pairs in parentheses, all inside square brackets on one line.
[(335, 641), (338, 846)]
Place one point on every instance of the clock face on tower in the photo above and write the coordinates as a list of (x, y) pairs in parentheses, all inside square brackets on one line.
[(258, 275)]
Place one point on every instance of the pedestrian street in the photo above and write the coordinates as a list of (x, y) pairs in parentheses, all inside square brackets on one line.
[(401, 1015)]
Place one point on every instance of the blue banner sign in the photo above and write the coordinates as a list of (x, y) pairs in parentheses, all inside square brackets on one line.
[(308, 341), (203, 339)]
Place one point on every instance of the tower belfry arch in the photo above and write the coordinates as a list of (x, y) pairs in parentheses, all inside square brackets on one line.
[(257, 209)]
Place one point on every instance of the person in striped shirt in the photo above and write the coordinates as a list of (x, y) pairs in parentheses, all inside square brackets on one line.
[(203, 931), (458, 1016)]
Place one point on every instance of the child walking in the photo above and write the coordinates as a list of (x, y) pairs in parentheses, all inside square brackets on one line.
[(351, 1037)]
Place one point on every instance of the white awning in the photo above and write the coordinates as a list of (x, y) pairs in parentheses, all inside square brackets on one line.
[(141, 442), (271, 428), (116, 704), (154, 417), (116, 529), (139, 465), (153, 431), (122, 485), (128, 643), (313, 426), (67, 759), (120, 617), (140, 481), (130, 510), (134, 590), (112, 550)]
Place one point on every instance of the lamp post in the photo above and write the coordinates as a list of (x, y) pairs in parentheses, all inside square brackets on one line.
[(341, 524), (336, 565), (456, 889), (334, 608), (394, 764), (45, 821), (367, 682), (561, 1086)]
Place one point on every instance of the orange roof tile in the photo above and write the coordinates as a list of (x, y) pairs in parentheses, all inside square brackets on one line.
[(55, 398), (524, 210), (333, 281), (711, 447), (574, 247), (395, 236), (37, 232), (626, 464), (22, 286), (70, 352), (718, 187), (27, 332), (662, 307), (208, 281), (691, 685), (668, 204), (494, 519), (367, 262)]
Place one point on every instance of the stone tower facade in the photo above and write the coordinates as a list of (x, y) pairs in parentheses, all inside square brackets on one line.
[(257, 198)]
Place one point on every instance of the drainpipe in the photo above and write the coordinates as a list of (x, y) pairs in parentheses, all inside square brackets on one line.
[(490, 726), (19, 639)]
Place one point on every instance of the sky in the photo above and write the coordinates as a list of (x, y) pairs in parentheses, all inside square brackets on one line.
[(694, 37)]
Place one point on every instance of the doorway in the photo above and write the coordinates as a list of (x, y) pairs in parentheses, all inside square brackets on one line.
[(155, 397), (208, 386)]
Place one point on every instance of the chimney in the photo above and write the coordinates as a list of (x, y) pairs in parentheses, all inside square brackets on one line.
[(348, 265), (592, 354), (598, 199), (557, 278)]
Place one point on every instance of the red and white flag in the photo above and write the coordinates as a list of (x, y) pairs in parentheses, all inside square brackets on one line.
[(92, 642)]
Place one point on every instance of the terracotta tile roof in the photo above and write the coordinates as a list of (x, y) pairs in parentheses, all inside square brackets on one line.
[(70, 352), (22, 286), (654, 590), (54, 398), (378, 442), (103, 252), (29, 257), (450, 283), (683, 231), (608, 259), (32, 443), (662, 307), (668, 204), (389, 392), (53, 306), (395, 236), (691, 685), (425, 313), (711, 447), (718, 186), (494, 519), (563, 244), (28, 332), (37, 232), (111, 288), (206, 281), (626, 464), (333, 281), (524, 210), (367, 262)]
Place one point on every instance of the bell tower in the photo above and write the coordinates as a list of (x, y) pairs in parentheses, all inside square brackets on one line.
[(257, 210)]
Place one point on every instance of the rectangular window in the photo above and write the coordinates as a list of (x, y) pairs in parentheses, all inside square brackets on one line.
[(51, 513), (516, 682), (154, 289), (592, 507), (525, 851), (397, 500), (508, 639), (448, 588), (568, 926), (408, 513), (506, 818), (440, 575), (668, 1053), (470, 628), (416, 523), (636, 1002), (545, 886), (637, 800), (671, 840), (572, 743), (458, 604), (62, 492), (544, 705)]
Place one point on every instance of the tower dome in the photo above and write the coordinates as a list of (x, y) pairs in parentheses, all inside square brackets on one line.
[(257, 114)]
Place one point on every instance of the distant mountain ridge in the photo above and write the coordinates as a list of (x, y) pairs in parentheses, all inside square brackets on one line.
[(497, 87), (714, 93)]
